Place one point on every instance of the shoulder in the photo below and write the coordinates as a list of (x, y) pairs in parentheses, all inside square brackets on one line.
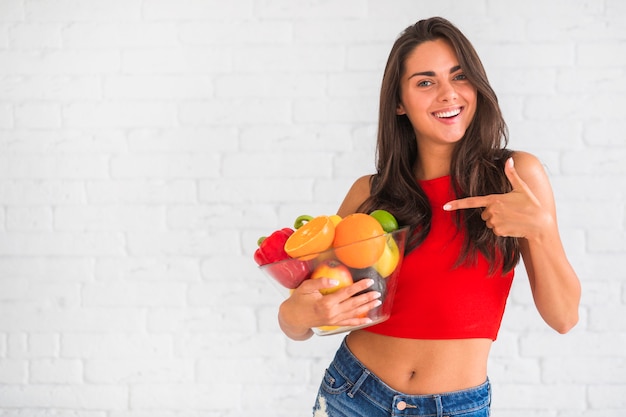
[(528, 166), (358, 193), (531, 171)]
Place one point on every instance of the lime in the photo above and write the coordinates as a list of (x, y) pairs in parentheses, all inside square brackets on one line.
[(386, 220)]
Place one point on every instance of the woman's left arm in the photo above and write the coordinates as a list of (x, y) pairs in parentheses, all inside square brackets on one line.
[(554, 283), (529, 213)]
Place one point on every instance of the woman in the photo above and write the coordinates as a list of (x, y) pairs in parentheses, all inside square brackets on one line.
[(473, 207)]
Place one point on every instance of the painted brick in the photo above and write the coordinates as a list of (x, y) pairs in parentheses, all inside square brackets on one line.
[(138, 371), (116, 345), (249, 112), (152, 294), (12, 10), (29, 219), (236, 32), (13, 372), (184, 139), (212, 396), (133, 191), (50, 87), (157, 87), (121, 114), (82, 397), (147, 269), (56, 371), (183, 10), (271, 85), (53, 167), (35, 35), (176, 60), (119, 34), (108, 218), (145, 145), (6, 115), (76, 10), (58, 62), (37, 116)]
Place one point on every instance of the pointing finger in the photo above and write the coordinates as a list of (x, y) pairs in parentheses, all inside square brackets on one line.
[(466, 203)]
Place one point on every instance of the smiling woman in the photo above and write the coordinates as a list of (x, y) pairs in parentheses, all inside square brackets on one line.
[(444, 171), (439, 101)]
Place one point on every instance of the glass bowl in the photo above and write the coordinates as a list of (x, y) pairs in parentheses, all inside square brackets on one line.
[(349, 263)]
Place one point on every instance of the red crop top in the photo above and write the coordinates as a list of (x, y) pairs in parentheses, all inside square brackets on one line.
[(434, 300)]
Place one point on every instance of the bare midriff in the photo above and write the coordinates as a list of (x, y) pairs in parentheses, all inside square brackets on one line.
[(422, 366)]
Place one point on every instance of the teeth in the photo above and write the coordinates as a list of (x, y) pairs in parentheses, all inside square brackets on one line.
[(450, 113)]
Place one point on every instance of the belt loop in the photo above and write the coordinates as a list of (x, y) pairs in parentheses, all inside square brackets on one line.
[(437, 399), (359, 382)]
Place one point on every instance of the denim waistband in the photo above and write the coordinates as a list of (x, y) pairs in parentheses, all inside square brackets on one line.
[(400, 404)]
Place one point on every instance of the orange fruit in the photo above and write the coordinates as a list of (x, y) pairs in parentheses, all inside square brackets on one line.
[(313, 237), (359, 240)]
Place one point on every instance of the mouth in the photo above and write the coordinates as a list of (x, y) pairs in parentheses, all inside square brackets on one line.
[(448, 114)]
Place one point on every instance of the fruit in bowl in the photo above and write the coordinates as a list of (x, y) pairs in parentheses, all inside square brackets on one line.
[(331, 268), (347, 250)]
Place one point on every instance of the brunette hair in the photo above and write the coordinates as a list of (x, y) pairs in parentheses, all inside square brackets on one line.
[(477, 166)]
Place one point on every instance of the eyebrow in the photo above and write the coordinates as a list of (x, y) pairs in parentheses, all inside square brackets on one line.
[(432, 73)]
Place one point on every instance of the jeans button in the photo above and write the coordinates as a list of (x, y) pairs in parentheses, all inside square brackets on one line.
[(401, 405)]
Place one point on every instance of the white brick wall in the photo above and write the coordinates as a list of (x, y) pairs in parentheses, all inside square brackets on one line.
[(146, 144)]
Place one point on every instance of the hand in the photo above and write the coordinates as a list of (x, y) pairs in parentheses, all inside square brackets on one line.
[(307, 307), (514, 214)]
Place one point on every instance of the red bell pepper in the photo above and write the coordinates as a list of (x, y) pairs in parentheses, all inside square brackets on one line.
[(291, 272), (272, 249)]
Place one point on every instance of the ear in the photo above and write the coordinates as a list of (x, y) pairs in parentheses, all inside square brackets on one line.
[(400, 110)]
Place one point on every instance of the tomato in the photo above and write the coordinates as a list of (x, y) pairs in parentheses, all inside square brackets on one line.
[(333, 269)]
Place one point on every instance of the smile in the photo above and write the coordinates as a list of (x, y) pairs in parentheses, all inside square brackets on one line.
[(448, 114)]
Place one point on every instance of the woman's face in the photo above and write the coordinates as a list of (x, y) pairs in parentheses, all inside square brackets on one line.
[(435, 95)]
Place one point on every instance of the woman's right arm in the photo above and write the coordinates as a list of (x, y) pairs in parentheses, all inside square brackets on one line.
[(306, 307)]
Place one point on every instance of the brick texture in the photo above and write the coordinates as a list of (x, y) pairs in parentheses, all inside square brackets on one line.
[(146, 144)]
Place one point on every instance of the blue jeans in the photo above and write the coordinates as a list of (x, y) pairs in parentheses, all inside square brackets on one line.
[(349, 389)]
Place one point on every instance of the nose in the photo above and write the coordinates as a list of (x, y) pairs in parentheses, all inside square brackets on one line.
[(447, 92)]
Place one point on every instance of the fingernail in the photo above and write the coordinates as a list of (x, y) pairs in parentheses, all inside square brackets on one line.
[(333, 282), (377, 294), (370, 282), (447, 207), (377, 303)]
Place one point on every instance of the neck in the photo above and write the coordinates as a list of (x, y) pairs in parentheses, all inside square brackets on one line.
[(432, 164)]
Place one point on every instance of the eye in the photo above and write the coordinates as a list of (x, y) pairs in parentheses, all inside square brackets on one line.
[(460, 77), (425, 83)]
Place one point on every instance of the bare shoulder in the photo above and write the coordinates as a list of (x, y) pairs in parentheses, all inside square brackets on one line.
[(357, 194), (530, 169), (527, 164)]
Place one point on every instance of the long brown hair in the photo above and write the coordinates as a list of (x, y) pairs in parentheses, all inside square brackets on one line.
[(477, 166)]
